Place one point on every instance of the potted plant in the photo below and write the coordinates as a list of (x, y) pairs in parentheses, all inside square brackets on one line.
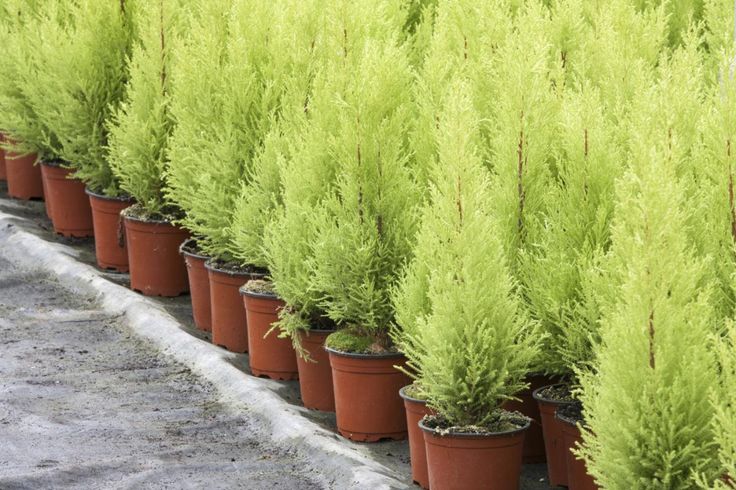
[(307, 172), (366, 223), (138, 134), (283, 81), (645, 401), (73, 83), (202, 178), (411, 296), (554, 272), (571, 419), (470, 346), (25, 140), (522, 143)]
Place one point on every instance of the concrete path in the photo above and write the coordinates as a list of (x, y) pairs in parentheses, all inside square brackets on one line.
[(85, 404)]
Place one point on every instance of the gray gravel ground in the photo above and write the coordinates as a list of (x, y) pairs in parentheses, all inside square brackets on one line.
[(86, 404)]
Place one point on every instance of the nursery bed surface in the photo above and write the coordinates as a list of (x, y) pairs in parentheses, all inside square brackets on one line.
[(85, 402)]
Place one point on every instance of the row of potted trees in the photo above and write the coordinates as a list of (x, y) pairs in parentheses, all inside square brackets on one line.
[(515, 222)]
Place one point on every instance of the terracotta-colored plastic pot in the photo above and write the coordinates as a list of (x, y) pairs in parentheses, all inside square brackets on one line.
[(269, 356), (110, 249), (156, 268), (470, 462), (577, 471), (46, 200), (23, 175), (3, 175), (199, 285), (534, 438), (229, 322), (415, 411), (71, 213), (315, 374), (367, 402), (553, 443)]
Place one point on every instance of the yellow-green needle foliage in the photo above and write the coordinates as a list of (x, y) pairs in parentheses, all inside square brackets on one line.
[(350, 81), (646, 402), (19, 35), (77, 76), (141, 126), (366, 223), (464, 330)]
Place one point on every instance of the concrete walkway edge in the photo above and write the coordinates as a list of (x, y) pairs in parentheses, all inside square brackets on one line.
[(344, 465)]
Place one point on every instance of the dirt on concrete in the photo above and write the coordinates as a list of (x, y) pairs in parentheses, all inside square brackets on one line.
[(84, 404)]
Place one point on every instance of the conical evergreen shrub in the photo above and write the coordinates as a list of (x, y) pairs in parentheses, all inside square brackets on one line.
[(646, 402), (465, 335), (20, 34), (366, 222), (76, 77), (140, 128), (322, 137), (576, 232)]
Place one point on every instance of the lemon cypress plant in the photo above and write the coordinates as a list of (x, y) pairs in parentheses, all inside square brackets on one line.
[(309, 163), (646, 401), (20, 34), (203, 167), (577, 232), (462, 324), (284, 82), (367, 220), (140, 127), (76, 78), (472, 346)]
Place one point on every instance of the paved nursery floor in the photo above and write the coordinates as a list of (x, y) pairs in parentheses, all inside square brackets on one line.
[(86, 404)]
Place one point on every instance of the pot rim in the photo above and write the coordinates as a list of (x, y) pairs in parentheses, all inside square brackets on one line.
[(148, 221), (357, 355), (402, 394), (536, 394), (211, 267), (257, 294), (488, 435), (191, 254), (569, 421), (55, 164), (92, 193)]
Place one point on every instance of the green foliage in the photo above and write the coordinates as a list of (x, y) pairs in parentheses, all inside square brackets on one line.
[(76, 75), (646, 402), (140, 128), (724, 422), (284, 81), (204, 170), (713, 166), (20, 36), (463, 330), (366, 223), (320, 135), (576, 232)]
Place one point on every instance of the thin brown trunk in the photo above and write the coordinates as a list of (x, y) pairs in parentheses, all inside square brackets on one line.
[(163, 50), (651, 339), (520, 179), (458, 199), (731, 199)]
